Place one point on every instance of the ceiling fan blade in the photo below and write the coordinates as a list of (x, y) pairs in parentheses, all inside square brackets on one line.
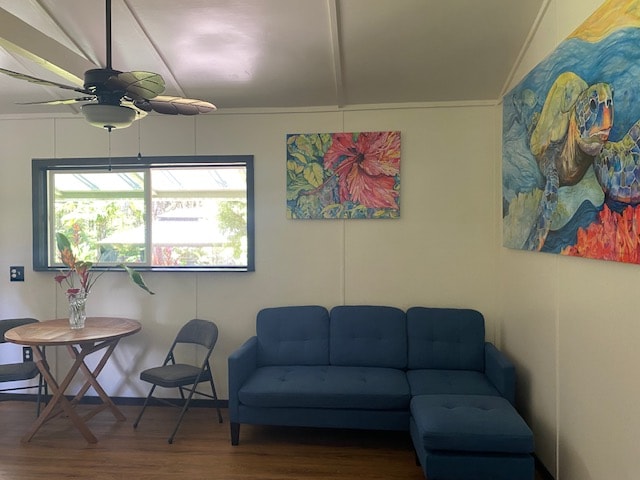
[(40, 81), (67, 101), (175, 105), (137, 85)]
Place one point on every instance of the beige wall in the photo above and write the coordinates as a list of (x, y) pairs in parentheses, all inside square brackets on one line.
[(440, 252), (568, 323), (571, 326)]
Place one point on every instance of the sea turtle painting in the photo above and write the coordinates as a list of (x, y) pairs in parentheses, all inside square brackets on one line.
[(571, 139), (572, 135)]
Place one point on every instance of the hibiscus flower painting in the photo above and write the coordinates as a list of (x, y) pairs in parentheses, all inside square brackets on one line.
[(343, 175)]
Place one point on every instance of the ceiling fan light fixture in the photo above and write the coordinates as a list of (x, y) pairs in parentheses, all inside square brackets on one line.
[(108, 116)]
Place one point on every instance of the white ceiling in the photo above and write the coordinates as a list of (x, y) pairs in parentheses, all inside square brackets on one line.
[(271, 53)]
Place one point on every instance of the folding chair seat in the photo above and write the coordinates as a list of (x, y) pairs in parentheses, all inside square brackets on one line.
[(172, 374), (20, 371)]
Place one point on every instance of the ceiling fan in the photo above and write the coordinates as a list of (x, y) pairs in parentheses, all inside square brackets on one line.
[(114, 99)]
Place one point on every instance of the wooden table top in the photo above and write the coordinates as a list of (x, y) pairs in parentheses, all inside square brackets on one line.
[(57, 332)]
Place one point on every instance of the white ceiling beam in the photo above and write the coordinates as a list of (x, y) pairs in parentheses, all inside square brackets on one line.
[(168, 75), (20, 38), (525, 47), (336, 48)]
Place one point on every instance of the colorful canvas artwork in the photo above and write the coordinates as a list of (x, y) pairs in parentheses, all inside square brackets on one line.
[(343, 175), (571, 152)]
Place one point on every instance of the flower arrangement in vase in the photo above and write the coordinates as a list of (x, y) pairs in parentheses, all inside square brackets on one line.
[(79, 278)]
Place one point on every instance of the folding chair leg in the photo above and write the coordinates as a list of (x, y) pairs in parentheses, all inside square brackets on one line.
[(42, 396), (215, 399), (184, 399), (184, 410), (144, 406)]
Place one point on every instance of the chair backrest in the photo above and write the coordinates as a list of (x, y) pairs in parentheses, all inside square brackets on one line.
[(9, 323), (199, 332)]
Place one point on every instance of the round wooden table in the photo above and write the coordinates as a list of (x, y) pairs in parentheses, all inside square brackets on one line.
[(99, 333)]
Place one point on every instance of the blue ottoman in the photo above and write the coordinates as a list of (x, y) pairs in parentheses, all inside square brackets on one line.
[(471, 437)]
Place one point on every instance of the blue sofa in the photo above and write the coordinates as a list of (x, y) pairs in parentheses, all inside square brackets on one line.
[(428, 371)]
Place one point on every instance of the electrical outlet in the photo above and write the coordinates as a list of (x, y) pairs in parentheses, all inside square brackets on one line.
[(16, 274), (27, 354)]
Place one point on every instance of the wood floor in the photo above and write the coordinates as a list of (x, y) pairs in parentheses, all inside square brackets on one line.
[(201, 449)]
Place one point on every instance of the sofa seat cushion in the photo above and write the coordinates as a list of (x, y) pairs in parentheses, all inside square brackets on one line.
[(442, 382), (364, 388), (471, 423)]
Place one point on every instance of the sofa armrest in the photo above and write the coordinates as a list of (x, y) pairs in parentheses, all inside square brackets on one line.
[(242, 363), (500, 371)]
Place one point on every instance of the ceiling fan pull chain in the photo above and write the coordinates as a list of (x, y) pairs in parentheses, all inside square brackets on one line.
[(109, 148), (139, 147)]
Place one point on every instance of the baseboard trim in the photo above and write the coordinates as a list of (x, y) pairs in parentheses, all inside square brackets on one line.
[(542, 470), (131, 401)]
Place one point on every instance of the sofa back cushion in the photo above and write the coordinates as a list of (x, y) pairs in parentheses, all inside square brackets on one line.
[(293, 335), (368, 336), (445, 338)]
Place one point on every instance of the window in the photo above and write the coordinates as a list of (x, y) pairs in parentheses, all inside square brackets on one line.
[(156, 213)]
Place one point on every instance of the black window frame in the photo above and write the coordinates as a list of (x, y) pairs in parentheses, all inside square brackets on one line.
[(40, 194)]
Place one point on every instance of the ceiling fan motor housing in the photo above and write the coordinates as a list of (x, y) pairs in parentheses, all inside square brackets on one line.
[(96, 82), (107, 113)]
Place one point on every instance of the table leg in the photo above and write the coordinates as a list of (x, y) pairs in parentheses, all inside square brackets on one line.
[(58, 399), (91, 377)]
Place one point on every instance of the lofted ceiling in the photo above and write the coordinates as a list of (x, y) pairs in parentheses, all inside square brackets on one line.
[(269, 53)]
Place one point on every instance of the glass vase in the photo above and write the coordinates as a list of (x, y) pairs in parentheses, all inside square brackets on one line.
[(77, 312)]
